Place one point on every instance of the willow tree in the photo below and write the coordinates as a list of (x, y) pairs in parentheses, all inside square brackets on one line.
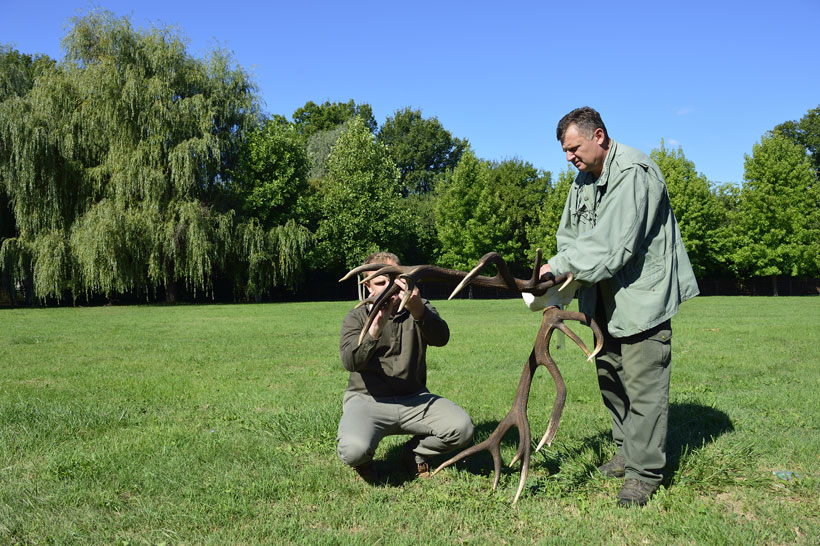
[(121, 159)]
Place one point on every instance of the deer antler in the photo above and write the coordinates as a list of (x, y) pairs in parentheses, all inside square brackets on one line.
[(540, 356), (430, 273), (517, 416)]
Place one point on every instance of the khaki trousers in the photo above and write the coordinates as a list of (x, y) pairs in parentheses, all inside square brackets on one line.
[(437, 425)]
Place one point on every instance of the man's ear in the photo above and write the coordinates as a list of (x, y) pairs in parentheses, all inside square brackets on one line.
[(599, 136)]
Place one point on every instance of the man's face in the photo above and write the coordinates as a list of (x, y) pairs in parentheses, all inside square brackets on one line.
[(377, 285), (587, 155)]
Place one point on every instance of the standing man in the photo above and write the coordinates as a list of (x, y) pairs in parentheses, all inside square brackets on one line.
[(387, 389), (619, 238)]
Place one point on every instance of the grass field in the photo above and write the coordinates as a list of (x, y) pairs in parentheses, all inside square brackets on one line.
[(216, 425)]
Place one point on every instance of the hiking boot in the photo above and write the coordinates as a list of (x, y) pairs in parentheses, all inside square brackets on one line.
[(367, 472), (412, 466), (614, 468), (636, 492)]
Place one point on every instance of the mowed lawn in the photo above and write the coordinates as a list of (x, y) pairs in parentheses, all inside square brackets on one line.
[(216, 424)]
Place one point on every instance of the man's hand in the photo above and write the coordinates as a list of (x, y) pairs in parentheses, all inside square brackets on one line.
[(382, 315), (414, 304), (542, 273)]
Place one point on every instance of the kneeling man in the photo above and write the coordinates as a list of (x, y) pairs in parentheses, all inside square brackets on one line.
[(387, 389)]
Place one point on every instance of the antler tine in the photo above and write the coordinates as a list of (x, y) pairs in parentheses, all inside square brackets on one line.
[(502, 279), (536, 268), (556, 318), (380, 300), (391, 271), (361, 269), (410, 281)]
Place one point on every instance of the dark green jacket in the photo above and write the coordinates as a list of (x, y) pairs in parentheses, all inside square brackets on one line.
[(395, 364), (619, 233)]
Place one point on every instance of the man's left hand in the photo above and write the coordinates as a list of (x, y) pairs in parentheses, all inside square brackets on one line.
[(414, 303)]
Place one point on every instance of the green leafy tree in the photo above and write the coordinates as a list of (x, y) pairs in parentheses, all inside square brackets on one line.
[(18, 72), (776, 225), (486, 207), (806, 133), (459, 195), (123, 154), (319, 146), (271, 183), (313, 118), (421, 240), (695, 206), (510, 203), (360, 202), (421, 148), (273, 257), (272, 174), (541, 231), (727, 197)]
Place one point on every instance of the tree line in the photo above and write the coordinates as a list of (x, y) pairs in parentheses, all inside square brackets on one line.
[(132, 168)]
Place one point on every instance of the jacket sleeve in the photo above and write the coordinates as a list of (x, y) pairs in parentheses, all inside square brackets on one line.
[(434, 329), (355, 356), (623, 217)]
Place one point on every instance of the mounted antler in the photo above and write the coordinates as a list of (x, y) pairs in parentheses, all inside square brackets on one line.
[(540, 356)]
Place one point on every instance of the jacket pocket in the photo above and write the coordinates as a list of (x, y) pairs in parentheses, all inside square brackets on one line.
[(640, 273)]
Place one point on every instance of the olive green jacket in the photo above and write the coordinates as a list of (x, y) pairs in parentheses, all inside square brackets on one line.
[(618, 233), (396, 363)]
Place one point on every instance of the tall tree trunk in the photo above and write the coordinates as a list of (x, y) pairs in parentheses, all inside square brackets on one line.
[(171, 291), (774, 285)]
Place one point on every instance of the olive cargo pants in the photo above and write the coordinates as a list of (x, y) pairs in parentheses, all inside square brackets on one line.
[(633, 375)]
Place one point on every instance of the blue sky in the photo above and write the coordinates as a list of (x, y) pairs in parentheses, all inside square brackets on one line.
[(711, 77)]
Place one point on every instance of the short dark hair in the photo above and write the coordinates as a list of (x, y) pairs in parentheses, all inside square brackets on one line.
[(382, 257), (586, 119)]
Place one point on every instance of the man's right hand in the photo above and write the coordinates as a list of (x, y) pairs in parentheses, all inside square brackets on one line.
[(378, 322)]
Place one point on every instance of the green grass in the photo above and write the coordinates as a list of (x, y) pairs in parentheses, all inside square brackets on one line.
[(216, 425)]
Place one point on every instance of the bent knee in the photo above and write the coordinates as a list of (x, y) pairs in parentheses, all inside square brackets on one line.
[(461, 434), (466, 433), (353, 451)]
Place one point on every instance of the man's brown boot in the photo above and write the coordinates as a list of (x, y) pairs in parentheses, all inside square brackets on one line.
[(636, 492), (614, 468), (414, 468)]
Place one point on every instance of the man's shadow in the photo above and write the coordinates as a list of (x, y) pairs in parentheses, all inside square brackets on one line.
[(691, 426)]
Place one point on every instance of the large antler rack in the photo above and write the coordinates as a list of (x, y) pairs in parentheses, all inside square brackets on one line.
[(430, 273), (540, 356)]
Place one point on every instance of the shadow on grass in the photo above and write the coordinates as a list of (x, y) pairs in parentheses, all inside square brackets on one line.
[(691, 426)]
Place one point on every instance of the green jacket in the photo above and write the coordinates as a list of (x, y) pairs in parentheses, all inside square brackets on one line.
[(619, 233), (395, 364)]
